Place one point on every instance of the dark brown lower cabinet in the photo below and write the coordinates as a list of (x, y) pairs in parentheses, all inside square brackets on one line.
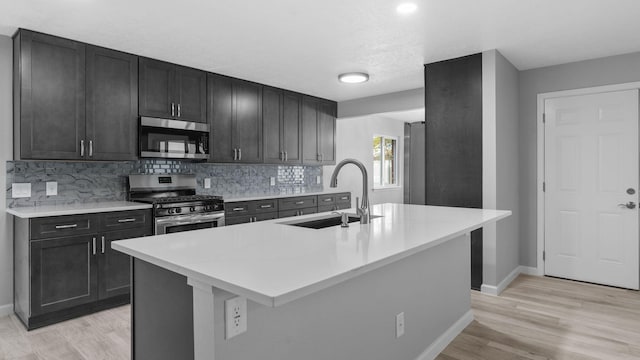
[(65, 267)]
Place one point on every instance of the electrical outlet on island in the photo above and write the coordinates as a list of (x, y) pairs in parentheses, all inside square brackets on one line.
[(235, 310)]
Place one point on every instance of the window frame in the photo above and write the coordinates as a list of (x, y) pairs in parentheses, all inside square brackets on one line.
[(396, 159)]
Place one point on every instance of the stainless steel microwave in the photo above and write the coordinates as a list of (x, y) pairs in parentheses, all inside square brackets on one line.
[(165, 138)]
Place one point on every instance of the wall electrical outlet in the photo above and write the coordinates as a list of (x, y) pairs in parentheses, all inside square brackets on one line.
[(399, 324), (207, 183), (20, 190), (235, 311), (272, 181), (52, 188), (318, 179)]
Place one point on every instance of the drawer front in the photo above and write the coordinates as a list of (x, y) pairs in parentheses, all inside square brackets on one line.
[(328, 199), (300, 202), (297, 212), (325, 208), (62, 226), (264, 206), (121, 220), (238, 219), (237, 208), (266, 216), (343, 198)]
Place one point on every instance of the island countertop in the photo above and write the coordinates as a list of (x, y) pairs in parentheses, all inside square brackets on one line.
[(273, 263)]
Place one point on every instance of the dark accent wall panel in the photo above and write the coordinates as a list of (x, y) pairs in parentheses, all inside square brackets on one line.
[(453, 106), (453, 141)]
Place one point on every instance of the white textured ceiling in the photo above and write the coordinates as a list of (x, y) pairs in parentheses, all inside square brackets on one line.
[(303, 45)]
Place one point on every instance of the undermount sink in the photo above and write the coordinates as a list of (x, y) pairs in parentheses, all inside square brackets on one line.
[(324, 221)]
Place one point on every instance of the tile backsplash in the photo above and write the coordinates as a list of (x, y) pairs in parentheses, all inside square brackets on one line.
[(80, 182)]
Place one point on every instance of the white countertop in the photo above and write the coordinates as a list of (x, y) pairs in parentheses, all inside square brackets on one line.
[(273, 263), (251, 198), (28, 212)]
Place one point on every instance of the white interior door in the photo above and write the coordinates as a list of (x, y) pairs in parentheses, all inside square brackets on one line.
[(591, 167)]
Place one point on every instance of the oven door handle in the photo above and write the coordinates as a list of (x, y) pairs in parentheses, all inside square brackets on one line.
[(189, 219)]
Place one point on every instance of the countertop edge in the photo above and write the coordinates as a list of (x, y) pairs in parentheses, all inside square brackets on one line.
[(46, 211)]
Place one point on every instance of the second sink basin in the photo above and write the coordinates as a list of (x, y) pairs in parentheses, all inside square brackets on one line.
[(324, 222)]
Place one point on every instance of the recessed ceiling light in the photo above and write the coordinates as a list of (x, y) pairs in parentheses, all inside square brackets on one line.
[(353, 78), (406, 8)]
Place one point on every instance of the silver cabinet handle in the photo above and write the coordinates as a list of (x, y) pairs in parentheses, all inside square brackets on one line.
[(238, 209), (265, 206), (344, 198), (255, 218), (235, 154), (299, 202), (327, 199), (103, 244), (179, 110), (281, 155), (81, 148), (71, 226), (126, 220), (90, 148), (286, 156), (94, 246), (239, 154), (173, 109)]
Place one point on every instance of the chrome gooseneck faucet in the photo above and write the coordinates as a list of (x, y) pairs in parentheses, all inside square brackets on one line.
[(363, 208)]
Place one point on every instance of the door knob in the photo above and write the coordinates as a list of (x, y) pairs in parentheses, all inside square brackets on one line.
[(629, 205)]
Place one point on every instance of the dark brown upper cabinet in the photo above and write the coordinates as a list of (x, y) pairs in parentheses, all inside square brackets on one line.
[(49, 97), (73, 101), (318, 131), (235, 118), (172, 92), (281, 126), (112, 104)]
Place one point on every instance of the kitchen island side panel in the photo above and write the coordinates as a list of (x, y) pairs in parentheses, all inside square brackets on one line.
[(352, 320)]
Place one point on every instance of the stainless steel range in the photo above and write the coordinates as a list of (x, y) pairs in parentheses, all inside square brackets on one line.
[(176, 207)]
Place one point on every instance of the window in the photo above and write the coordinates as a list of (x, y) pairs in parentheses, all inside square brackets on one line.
[(385, 161)]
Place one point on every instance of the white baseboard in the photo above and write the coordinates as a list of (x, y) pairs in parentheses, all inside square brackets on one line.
[(445, 339), (6, 310), (528, 270), (497, 290)]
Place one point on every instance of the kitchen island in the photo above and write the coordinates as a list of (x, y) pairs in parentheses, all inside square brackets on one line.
[(331, 293)]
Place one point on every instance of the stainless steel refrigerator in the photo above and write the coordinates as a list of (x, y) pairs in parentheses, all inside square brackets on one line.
[(414, 163)]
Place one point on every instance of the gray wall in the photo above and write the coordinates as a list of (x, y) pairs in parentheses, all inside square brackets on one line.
[(6, 153), (589, 73), (398, 101), (507, 177)]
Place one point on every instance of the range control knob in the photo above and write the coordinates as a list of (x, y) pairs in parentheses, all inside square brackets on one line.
[(192, 209), (170, 211), (178, 210)]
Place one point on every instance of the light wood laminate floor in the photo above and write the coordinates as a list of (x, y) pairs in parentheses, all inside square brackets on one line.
[(535, 318)]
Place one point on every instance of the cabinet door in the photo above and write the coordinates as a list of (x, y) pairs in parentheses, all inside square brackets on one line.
[(114, 271), (112, 105), (220, 114), (63, 273), (271, 125), (191, 95), (247, 131), (52, 96), (327, 132), (310, 154), (157, 83), (291, 130)]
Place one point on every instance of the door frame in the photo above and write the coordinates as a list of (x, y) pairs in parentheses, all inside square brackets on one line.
[(540, 153)]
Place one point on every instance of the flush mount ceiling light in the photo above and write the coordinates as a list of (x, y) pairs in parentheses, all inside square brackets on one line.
[(406, 8), (353, 77)]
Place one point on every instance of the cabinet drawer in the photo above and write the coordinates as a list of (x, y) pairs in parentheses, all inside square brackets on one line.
[(328, 199), (237, 208), (120, 220), (264, 206), (67, 225), (300, 202), (297, 212), (343, 198)]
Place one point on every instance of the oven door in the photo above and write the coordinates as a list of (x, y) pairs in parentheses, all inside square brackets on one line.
[(179, 223)]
